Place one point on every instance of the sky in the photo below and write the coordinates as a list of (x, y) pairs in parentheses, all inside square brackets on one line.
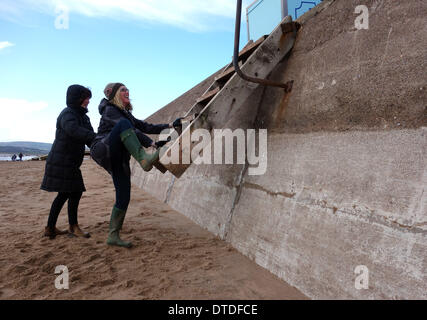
[(158, 48)]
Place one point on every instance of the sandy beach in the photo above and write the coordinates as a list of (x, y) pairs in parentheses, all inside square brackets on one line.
[(172, 257)]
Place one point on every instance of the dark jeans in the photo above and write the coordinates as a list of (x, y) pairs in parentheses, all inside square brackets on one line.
[(120, 165), (58, 203), (145, 140)]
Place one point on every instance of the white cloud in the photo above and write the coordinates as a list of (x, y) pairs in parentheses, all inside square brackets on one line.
[(5, 44), (23, 120), (196, 15), (19, 106)]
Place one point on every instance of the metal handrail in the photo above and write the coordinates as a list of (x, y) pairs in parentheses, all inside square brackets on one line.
[(236, 55)]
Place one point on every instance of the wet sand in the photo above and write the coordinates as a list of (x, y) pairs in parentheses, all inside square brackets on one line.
[(172, 257)]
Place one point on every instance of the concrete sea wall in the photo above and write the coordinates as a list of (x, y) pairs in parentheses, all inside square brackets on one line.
[(347, 149)]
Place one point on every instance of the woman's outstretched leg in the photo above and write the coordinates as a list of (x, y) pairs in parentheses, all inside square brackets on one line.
[(124, 131)]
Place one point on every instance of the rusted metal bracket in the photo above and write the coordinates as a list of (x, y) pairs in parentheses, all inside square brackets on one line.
[(288, 27)]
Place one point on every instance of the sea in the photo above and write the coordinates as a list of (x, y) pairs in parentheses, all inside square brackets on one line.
[(8, 157)]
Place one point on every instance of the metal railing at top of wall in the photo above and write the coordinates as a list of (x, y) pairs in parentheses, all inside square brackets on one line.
[(263, 15), (287, 86), (255, 4)]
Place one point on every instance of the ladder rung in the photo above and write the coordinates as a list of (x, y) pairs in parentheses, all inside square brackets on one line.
[(223, 77), (248, 50), (208, 96), (160, 167)]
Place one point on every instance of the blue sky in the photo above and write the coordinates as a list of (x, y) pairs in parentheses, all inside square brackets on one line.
[(158, 48)]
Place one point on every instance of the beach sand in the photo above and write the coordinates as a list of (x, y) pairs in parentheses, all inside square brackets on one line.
[(172, 257)]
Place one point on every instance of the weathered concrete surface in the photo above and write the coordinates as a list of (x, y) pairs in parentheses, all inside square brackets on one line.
[(348, 79), (336, 201), (347, 170)]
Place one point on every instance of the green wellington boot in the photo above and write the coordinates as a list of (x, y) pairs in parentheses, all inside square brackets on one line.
[(116, 223), (132, 144)]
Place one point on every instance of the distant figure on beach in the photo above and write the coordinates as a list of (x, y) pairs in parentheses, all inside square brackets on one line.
[(14, 157), (115, 142), (20, 156), (62, 173)]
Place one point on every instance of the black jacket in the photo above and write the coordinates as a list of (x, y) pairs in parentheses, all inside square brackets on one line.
[(73, 132), (110, 116)]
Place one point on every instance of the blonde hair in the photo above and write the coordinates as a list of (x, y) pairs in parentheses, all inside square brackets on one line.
[(118, 102)]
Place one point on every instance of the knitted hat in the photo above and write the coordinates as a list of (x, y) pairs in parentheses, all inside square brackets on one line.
[(114, 90), (107, 89)]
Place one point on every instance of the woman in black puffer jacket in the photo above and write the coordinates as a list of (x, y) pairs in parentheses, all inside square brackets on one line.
[(115, 142), (62, 173)]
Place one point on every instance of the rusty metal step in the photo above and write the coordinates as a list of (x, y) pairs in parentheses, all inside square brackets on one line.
[(208, 96), (225, 76)]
